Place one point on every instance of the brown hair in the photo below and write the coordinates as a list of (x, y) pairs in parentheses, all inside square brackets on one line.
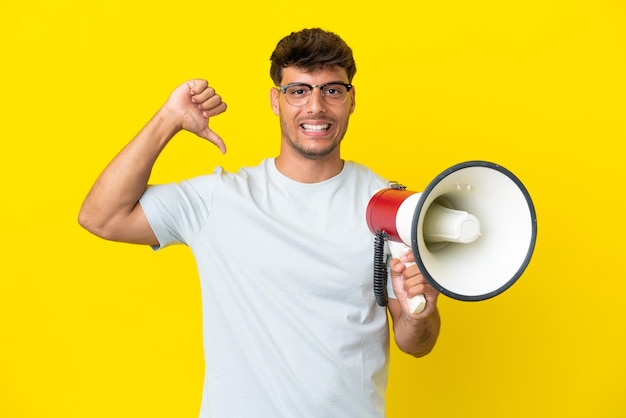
[(311, 49)]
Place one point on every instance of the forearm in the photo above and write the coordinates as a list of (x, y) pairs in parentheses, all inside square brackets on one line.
[(117, 190), (417, 337)]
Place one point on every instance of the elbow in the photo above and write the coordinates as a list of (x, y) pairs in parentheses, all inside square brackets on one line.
[(87, 220), (84, 220), (417, 350), (423, 351)]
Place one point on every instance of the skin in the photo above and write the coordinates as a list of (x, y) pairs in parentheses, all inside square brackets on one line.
[(111, 209), (309, 156)]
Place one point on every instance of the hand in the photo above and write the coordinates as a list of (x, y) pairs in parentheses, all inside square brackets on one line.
[(408, 282), (192, 104)]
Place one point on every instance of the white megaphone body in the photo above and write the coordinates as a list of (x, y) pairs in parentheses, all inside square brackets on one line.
[(472, 231)]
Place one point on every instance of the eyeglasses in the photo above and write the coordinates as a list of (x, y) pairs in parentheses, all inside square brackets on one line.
[(299, 94)]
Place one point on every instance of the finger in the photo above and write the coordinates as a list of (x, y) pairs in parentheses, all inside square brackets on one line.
[(422, 289), (202, 95), (412, 270), (408, 257), (414, 277), (414, 282), (212, 107), (416, 288), (214, 138), (197, 85), (397, 267)]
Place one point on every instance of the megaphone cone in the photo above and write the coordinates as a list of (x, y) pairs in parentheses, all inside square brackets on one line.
[(472, 230)]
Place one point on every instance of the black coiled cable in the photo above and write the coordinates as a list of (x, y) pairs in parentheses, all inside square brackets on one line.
[(380, 269)]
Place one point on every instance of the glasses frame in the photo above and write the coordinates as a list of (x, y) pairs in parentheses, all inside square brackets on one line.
[(283, 90)]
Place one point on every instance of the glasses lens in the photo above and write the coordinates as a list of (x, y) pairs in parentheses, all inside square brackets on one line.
[(298, 95), (334, 93)]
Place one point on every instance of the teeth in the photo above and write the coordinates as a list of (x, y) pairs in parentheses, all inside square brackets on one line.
[(315, 128)]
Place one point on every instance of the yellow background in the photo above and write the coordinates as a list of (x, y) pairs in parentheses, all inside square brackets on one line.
[(90, 328)]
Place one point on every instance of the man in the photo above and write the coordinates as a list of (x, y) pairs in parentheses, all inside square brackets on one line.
[(290, 323)]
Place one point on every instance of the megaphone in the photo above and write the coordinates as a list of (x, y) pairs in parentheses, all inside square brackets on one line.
[(472, 231)]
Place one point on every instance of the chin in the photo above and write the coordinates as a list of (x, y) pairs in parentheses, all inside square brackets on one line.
[(317, 153)]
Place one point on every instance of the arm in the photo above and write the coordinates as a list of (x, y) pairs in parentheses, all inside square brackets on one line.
[(111, 209), (415, 334)]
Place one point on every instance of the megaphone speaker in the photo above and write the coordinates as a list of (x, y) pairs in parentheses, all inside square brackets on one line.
[(472, 231)]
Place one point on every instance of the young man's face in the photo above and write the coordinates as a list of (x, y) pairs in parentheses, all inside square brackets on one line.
[(313, 130)]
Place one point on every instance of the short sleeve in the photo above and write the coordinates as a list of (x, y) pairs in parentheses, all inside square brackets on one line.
[(177, 211)]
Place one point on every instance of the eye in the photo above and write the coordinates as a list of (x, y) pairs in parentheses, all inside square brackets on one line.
[(334, 90), (298, 91)]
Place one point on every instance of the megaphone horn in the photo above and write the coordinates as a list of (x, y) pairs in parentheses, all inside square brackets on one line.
[(472, 231)]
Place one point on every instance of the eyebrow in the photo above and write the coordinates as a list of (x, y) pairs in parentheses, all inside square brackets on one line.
[(322, 84)]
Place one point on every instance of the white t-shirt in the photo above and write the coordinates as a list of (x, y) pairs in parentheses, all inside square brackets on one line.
[(291, 327)]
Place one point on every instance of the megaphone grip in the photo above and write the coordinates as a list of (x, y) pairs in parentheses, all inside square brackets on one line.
[(416, 303)]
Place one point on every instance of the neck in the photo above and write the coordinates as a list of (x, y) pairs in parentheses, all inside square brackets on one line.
[(304, 170)]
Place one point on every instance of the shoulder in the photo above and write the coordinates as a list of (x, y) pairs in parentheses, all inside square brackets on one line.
[(363, 174), (223, 175)]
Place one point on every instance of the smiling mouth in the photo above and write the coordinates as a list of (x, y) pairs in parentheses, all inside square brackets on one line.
[(315, 128)]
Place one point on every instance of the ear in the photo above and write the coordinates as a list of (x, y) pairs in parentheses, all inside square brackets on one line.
[(274, 98)]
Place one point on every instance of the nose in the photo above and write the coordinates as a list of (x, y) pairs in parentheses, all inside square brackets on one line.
[(316, 102)]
